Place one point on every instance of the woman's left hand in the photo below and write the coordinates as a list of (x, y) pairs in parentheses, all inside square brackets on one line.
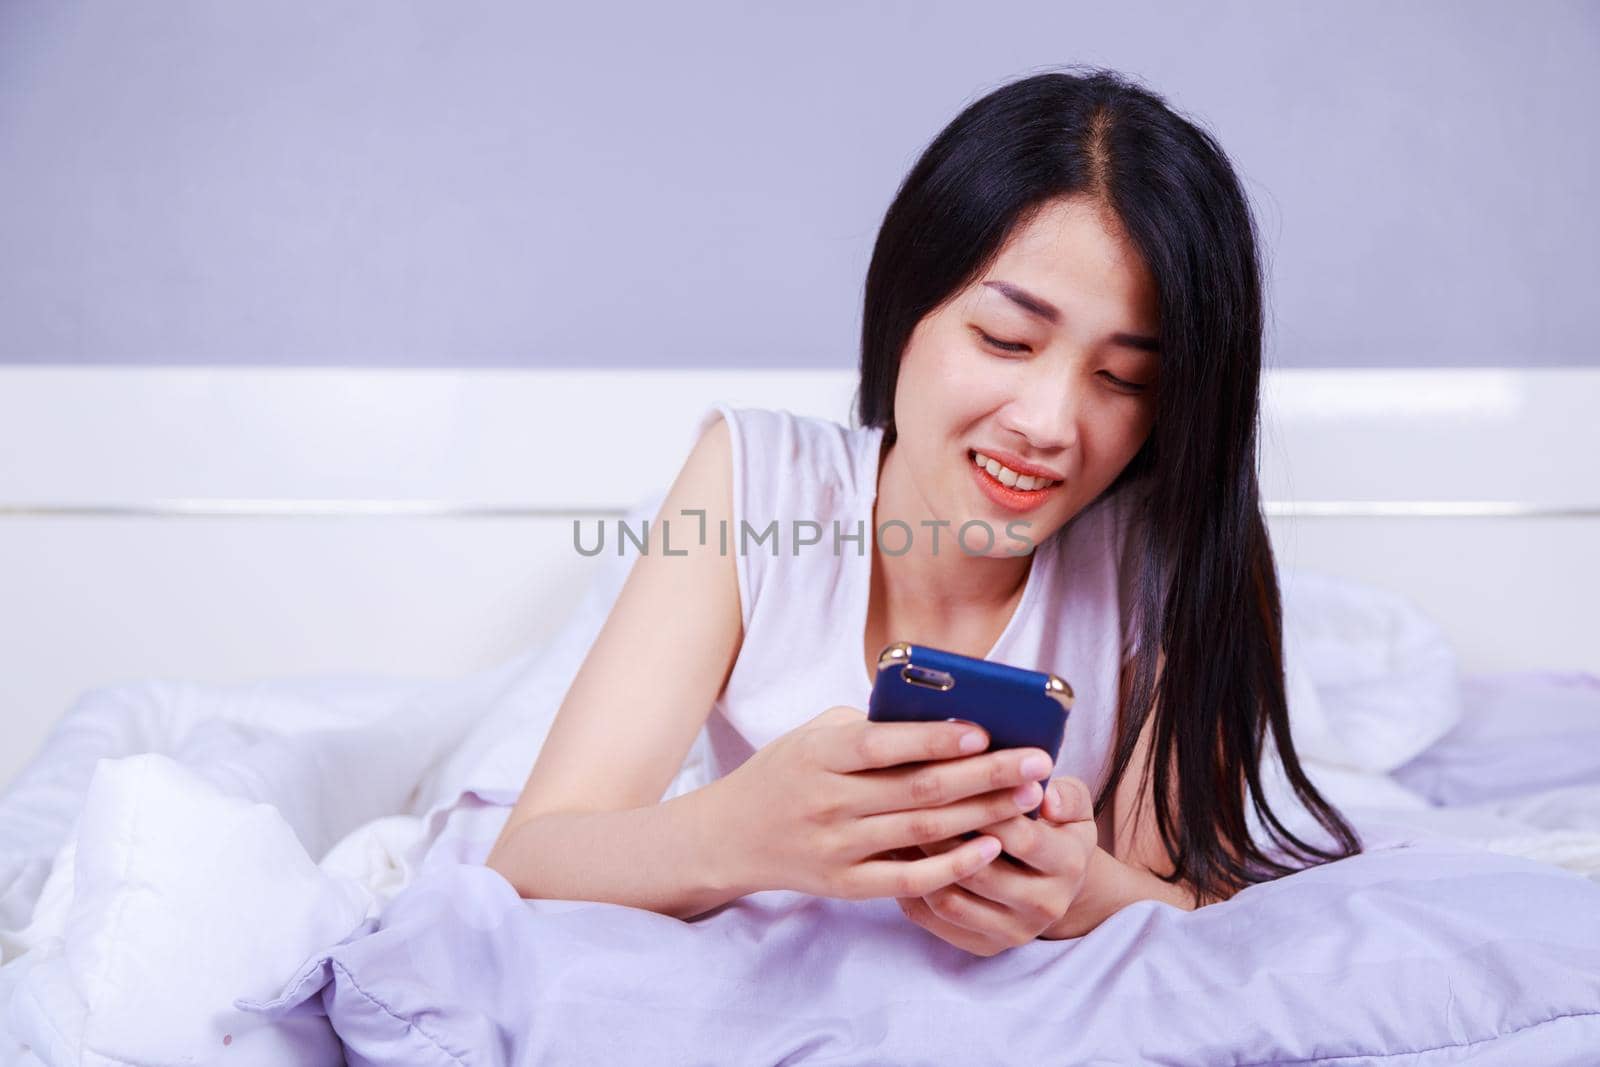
[(1007, 903)]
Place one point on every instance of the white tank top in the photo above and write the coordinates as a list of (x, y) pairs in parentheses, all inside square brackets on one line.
[(805, 608)]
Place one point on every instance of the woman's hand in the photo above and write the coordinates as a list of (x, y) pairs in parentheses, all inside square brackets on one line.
[(1005, 904), (829, 807)]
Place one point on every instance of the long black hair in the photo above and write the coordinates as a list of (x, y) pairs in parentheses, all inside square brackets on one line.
[(1204, 580)]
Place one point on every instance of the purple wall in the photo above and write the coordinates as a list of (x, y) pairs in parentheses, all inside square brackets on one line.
[(400, 183)]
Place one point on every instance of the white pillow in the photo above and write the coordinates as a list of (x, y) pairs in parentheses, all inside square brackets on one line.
[(184, 898), (1384, 675)]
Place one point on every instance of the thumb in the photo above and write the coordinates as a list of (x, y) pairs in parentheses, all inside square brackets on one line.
[(1067, 799)]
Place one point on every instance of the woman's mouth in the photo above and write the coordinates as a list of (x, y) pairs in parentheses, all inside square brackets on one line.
[(1007, 488)]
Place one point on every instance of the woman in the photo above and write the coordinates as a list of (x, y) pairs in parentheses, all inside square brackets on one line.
[(1062, 336)]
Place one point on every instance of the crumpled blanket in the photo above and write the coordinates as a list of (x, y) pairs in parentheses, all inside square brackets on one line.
[(1417, 954)]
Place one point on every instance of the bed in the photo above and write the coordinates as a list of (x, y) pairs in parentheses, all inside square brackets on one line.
[(227, 590)]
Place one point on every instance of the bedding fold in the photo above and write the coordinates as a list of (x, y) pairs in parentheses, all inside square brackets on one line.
[(1413, 954)]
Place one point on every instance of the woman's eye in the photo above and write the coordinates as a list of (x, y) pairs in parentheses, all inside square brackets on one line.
[(1125, 386), (1012, 347), (1004, 346)]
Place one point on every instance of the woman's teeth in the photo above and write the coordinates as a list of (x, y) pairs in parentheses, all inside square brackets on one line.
[(1010, 478)]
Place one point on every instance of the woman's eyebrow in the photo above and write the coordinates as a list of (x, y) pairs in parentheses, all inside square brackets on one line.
[(1039, 307)]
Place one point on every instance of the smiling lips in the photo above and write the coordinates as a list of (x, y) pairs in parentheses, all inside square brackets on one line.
[(1008, 488), (1019, 476)]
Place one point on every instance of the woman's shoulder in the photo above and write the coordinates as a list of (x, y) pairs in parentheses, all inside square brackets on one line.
[(1104, 530), (795, 457), (1097, 558)]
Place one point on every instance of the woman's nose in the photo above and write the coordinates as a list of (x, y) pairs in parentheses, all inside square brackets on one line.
[(1046, 412)]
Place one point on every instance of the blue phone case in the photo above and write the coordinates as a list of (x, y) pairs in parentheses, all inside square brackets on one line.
[(1019, 708)]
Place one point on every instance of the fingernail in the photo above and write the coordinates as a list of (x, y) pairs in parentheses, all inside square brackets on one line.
[(989, 848), (1025, 794), (1036, 766), (1055, 791), (971, 741)]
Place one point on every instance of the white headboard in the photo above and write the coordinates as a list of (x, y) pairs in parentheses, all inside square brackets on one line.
[(226, 524)]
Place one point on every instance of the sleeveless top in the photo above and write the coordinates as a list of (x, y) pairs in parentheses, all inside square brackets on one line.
[(804, 608)]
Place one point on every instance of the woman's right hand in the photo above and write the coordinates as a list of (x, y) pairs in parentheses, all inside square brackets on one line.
[(823, 808)]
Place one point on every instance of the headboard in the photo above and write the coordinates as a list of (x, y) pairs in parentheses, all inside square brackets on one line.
[(225, 524)]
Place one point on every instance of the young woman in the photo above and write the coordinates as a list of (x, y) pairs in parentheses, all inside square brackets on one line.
[(1062, 341)]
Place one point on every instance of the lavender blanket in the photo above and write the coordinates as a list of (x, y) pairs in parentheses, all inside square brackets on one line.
[(1416, 954)]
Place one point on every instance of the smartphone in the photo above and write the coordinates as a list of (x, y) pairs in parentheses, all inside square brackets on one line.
[(1019, 708)]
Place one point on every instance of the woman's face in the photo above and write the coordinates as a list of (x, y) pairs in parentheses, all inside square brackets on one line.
[(1065, 390)]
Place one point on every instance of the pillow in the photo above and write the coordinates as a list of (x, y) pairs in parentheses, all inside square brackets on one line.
[(1384, 674), (183, 899)]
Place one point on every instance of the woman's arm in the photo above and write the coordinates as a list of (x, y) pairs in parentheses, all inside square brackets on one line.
[(1129, 871), (665, 857), (1111, 885), (590, 824)]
